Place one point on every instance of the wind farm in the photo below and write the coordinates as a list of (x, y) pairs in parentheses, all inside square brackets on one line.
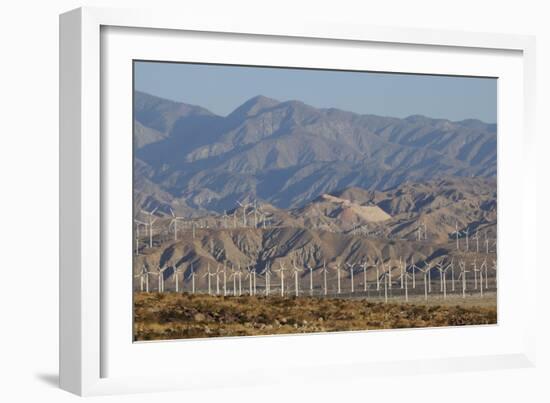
[(284, 218)]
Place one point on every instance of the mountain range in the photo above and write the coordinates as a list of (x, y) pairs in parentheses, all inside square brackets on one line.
[(288, 154)]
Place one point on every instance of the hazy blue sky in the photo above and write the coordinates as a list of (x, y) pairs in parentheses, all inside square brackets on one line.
[(221, 89)]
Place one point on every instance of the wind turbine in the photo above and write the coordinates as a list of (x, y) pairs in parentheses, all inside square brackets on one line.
[(325, 277), (413, 268), (364, 265), (351, 265), (224, 219), (245, 207), (401, 269), (338, 277), (404, 277), (208, 276), (138, 226), (248, 275), (174, 222), (457, 232), (377, 274), (160, 273), (310, 278), (282, 275), (150, 224), (176, 272), (467, 232), (476, 237), (443, 278), (452, 267), (217, 274), (224, 272), (192, 279), (385, 277), (138, 233), (240, 277), (439, 267), (296, 271), (143, 279), (475, 273), (484, 267), (234, 275), (462, 274), (267, 273), (426, 270)]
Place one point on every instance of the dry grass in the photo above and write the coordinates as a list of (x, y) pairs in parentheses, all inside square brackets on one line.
[(182, 316)]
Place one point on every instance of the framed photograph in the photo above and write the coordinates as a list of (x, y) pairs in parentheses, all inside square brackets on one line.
[(297, 197)]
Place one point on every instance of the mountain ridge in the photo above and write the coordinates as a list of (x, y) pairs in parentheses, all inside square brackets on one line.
[(288, 153)]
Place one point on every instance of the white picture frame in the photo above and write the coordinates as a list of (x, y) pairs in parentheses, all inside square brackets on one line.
[(96, 357)]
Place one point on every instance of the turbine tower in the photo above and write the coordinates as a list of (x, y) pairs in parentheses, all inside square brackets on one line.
[(457, 232), (150, 224), (174, 222), (462, 275), (296, 271), (282, 275), (325, 290), (350, 268)]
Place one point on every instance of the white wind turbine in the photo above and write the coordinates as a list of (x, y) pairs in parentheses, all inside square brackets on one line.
[(150, 224), (457, 233), (389, 273), (224, 272), (139, 224), (404, 279), (462, 275), (325, 270), (452, 267), (419, 233), (234, 275), (174, 222), (385, 277), (443, 278), (439, 268), (402, 268), (413, 268), (224, 217), (176, 272), (143, 279), (310, 278), (240, 277), (297, 272), (365, 265), (208, 275), (282, 275), (192, 279), (244, 206), (376, 265), (339, 290), (476, 237), (138, 232), (160, 274), (248, 275), (467, 232), (426, 270), (475, 270), (483, 268), (217, 274), (350, 268), (267, 274)]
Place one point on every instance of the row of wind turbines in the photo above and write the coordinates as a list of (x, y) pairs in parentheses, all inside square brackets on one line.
[(251, 215), (236, 279)]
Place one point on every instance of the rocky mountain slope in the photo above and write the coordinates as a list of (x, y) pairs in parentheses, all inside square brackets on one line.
[(289, 154)]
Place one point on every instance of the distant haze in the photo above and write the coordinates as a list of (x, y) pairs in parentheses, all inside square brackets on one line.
[(222, 88)]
